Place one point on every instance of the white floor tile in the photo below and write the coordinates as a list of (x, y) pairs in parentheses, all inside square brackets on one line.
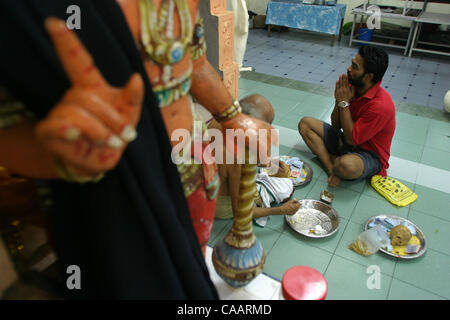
[(434, 178), (403, 169), (278, 294), (263, 287)]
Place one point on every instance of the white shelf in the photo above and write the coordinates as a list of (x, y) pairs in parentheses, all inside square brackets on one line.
[(435, 18), (405, 15)]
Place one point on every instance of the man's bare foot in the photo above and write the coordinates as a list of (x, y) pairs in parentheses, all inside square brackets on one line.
[(333, 180)]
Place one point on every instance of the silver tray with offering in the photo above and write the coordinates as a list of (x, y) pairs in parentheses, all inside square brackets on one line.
[(416, 246), (314, 219), (299, 177)]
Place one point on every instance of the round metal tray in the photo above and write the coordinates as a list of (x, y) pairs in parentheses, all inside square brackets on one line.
[(419, 234), (308, 169), (320, 206)]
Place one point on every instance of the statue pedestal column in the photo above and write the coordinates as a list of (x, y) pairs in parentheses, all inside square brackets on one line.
[(239, 257)]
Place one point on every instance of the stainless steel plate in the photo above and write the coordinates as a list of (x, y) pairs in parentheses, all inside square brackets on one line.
[(420, 235), (309, 174), (297, 181), (311, 214)]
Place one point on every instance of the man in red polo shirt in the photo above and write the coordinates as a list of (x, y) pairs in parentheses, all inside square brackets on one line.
[(357, 143)]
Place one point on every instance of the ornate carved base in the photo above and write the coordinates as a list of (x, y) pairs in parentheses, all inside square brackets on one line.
[(238, 266), (240, 257)]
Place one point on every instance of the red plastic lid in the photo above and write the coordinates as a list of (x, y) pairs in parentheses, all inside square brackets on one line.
[(304, 283)]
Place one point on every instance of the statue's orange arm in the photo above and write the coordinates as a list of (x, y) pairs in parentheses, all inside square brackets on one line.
[(206, 83), (210, 91)]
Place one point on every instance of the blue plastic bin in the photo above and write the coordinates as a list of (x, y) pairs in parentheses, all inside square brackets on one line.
[(365, 34)]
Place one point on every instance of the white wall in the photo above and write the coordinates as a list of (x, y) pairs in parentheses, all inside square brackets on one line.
[(259, 6)]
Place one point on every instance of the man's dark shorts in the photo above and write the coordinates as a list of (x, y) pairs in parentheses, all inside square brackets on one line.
[(335, 144)]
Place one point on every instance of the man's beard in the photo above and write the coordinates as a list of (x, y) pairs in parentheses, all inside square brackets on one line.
[(357, 82)]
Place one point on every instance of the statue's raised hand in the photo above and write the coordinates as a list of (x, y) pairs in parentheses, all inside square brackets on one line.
[(89, 128), (259, 137)]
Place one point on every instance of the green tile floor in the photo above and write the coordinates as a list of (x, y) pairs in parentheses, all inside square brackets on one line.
[(422, 137)]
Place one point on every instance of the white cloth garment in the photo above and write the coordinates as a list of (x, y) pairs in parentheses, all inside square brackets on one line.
[(202, 112), (272, 190), (239, 7)]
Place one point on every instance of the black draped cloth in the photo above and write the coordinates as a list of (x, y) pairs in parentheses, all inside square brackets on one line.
[(131, 233)]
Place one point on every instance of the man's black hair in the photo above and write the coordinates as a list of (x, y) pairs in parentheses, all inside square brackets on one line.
[(376, 61)]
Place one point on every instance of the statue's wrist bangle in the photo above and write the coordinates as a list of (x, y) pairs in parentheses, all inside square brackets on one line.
[(229, 113)]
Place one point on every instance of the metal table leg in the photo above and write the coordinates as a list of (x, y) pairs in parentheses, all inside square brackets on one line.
[(414, 39), (340, 30), (353, 30), (409, 38)]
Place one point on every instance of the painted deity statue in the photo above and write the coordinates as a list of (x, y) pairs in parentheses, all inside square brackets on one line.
[(169, 36)]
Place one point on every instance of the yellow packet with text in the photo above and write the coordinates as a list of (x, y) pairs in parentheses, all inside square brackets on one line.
[(393, 190)]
